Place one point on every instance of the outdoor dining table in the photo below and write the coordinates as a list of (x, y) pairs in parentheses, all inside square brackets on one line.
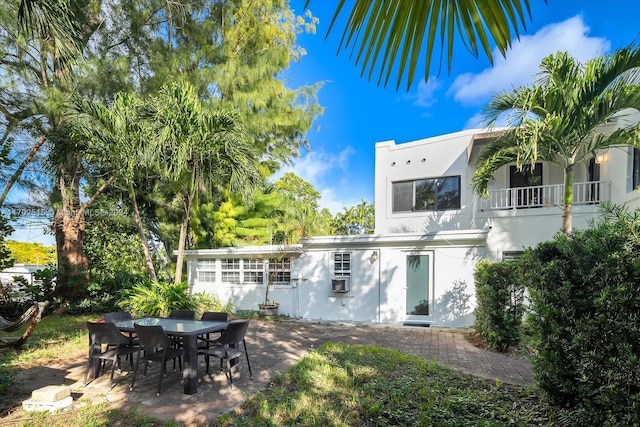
[(188, 330)]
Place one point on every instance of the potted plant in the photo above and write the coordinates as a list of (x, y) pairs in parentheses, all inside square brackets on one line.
[(268, 307), (274, 267)]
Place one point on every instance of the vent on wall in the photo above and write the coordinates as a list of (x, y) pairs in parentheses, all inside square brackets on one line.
[(340, 285)]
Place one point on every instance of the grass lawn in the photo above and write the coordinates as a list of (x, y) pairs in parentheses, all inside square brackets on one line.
[(337, 385)]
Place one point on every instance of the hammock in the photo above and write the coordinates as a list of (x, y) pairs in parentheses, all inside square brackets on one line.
[(31, 317)]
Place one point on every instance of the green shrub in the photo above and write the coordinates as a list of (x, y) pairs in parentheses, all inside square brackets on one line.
[(208, 302), (585, 294), (157, 299), (500, 303), (106, 296)]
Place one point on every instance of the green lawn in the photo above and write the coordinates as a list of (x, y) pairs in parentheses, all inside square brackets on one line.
[(337, 385), (346, 385)]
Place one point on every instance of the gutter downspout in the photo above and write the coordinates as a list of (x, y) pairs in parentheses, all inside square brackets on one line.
[(379, 284)]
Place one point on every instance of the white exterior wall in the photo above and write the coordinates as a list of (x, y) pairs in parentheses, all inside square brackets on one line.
[(377, 287), (453, 240), (24, 270), (428, 158)]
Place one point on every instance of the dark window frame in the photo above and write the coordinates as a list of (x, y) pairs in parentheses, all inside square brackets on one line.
[(427, 193), (635, 172)]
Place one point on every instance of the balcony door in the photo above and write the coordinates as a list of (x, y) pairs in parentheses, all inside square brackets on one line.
[(594, 177), (521, 181)]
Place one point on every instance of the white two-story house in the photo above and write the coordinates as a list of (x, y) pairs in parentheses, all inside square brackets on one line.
[(431, 229)]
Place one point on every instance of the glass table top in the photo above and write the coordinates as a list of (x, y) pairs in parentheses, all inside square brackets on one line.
[(174, 325)]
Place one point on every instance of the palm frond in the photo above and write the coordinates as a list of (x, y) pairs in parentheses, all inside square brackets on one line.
[(400, 29), (54, 21)]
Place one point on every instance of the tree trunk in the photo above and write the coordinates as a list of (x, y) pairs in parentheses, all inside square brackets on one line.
[(69, 226), (18, 173), (143, 238), (567, 216), (183, 233)]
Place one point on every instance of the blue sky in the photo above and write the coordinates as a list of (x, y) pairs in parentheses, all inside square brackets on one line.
[(358, 113)]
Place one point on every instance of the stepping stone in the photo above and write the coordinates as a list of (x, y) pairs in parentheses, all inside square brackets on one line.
[(49, 398)]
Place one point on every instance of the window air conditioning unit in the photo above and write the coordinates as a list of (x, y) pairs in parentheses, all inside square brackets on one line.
[(340, 284)]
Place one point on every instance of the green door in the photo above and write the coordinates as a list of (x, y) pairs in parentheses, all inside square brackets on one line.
[(418, 285)]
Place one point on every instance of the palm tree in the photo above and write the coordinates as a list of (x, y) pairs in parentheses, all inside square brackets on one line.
[(397, 29), (201, 150), (55, 24), (120, 135), (556, 120)]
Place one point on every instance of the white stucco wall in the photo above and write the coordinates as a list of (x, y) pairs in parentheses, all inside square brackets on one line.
[(440, 156), (454, 240), (378, 288)]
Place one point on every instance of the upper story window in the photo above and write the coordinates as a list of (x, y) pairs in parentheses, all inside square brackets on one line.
[(635, 171), (206, 270), (280, 270), (430, 194)]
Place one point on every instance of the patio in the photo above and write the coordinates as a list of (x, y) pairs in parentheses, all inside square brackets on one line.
[(273, 348)]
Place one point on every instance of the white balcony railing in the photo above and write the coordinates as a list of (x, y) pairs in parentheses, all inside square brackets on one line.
[(584, 193)]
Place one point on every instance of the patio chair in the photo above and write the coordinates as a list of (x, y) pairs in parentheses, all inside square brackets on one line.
[(117, 316), (116, 346), (205, 341), (215, 316), (182, 314), (155, 346), (121, 316), (229, 348)]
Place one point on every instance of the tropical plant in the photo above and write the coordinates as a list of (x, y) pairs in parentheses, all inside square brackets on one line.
[(399, 29), (300, 215), (585, 300), (55, 22), (500, 297), (557, 119), (358, 219), (121, 136), (201, 150), (31, 252), (54, 26), (157, 299), (232, 51)]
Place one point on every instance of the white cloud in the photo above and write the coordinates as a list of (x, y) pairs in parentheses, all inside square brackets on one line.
[(524, 57), (329, 199), (475, 122), (320, 168), (425, 96)]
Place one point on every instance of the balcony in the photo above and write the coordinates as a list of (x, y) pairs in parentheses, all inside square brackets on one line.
[(584, 193)]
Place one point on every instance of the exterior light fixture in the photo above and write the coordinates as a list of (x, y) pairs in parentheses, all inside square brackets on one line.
[(600, 156), (374, 257)]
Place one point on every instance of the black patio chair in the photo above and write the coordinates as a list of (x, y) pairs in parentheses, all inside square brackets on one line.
[(116, 346), (215, 316), (207, 340), (182, 314), (229, 348), (117, 316), (121, 316), (155, 346)]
